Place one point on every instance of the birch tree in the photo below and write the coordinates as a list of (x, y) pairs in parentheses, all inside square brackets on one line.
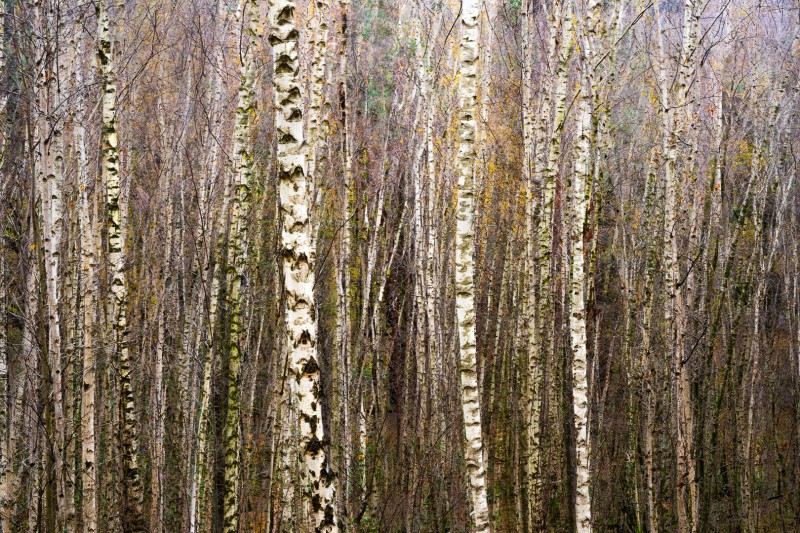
[(49, 163), (88, 260), (247, 18), (110, 165), (675, 312), (465, 265), (581, 186), (299, 255)]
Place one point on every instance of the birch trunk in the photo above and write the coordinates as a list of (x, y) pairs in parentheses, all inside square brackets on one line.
[(647, 364), (319, 45), (548, 150), (422, 167), (247, 18), (49, 163), (582, 187), (299, 256), (431, 285), (343, 327), (132, 482), (88, 461), (158, 390), (465, 265), (686, 485), (528, 312), (88, 473), (577, 315)]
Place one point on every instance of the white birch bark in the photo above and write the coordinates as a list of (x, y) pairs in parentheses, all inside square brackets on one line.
[(647, 364), (423, 380), (577, 312), (50, 177), (110, 165), (528, 311), (343, 278), (319, 45), (430, 274), (299, 256), (675, 312), (88, 473), (159, 406), (465, 265), (247, 18), (548, 150), (581, 188)]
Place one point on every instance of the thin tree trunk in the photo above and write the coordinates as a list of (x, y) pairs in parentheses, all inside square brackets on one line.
[(343, 278), (88, 473), (465, 265), (49, 163), (247, 19), (675, 315), (581, 185), (528, 312)]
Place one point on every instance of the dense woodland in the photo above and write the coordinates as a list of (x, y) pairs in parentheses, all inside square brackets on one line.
[(399, 266)]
